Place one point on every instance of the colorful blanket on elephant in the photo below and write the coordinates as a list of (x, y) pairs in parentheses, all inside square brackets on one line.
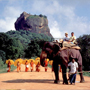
[(74, 47), (70, 45), (72, 53), (66, 45)]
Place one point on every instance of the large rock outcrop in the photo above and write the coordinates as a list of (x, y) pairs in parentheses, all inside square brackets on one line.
[(33, 23)]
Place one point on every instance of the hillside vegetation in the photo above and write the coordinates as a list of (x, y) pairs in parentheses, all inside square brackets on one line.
[(24, 44), (21, 44)]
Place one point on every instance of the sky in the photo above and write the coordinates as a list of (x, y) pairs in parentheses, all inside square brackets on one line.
[(63, 15)]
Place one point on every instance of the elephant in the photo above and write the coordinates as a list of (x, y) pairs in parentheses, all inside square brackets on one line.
[(53, 52)]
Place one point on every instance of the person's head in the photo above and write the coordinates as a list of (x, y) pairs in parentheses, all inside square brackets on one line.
[(66, 34), (56, 40), (72, 34), (73, 60)]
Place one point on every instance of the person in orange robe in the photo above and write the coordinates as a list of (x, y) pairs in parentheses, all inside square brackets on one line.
[(46, 64), (8, 66), (26, 66), (18, 67), (38, 67), (31, 63)]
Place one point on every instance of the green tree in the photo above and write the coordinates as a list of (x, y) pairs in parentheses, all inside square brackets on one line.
[(2, 56), (84, 43)]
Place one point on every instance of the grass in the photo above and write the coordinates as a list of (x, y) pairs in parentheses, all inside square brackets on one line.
[(4, 68), (32, 16), (86, 74)]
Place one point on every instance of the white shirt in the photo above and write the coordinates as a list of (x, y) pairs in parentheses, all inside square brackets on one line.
[(73, 66), (66, 39)]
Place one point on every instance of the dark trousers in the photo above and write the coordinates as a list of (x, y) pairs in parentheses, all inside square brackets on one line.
[(72, 78)]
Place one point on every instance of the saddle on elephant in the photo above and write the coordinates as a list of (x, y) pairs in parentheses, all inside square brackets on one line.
[(70, 45), (65, 45)]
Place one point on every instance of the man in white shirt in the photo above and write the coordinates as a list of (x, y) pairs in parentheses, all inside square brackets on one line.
[(73, 70)]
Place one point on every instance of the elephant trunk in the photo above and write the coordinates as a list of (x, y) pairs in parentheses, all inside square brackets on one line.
[(43, 56)]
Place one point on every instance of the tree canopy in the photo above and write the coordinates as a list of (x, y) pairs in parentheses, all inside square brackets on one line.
[(84, 43)]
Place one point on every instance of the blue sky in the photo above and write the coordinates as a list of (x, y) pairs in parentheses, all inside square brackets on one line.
[(63, 15)]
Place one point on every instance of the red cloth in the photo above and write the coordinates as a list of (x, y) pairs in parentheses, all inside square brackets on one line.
[(26, 68), (46, 64), (38, 67), (31, 65), (52, 68), (9, 67)]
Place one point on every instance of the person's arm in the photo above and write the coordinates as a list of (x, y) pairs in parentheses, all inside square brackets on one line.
[(76, 67)]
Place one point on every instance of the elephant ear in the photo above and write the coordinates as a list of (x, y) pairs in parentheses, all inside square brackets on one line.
[(56, 48)]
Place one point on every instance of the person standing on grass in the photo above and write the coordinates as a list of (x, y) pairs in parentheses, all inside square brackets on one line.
[(73, 70)]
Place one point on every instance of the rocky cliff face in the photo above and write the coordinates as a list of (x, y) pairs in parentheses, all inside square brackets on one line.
[(33, 23)]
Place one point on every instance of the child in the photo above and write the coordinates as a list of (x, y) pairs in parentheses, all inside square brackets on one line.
[(73, 70)]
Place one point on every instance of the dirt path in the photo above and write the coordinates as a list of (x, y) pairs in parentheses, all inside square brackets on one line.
[(37, 80)]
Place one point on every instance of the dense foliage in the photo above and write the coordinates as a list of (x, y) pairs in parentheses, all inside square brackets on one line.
[(11, 47), (84, 43), (26, 37), (20, 44), (24, 44)]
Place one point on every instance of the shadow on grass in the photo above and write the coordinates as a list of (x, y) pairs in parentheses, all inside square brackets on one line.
[(51, 81)]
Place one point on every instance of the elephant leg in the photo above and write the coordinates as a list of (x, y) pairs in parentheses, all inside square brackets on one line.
[(64, 74), (81, 74), (55, 67)]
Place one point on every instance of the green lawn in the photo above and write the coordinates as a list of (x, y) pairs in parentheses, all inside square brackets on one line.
[(4, 68)]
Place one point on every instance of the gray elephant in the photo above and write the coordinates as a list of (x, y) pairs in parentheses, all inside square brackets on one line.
[(53, 52)]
